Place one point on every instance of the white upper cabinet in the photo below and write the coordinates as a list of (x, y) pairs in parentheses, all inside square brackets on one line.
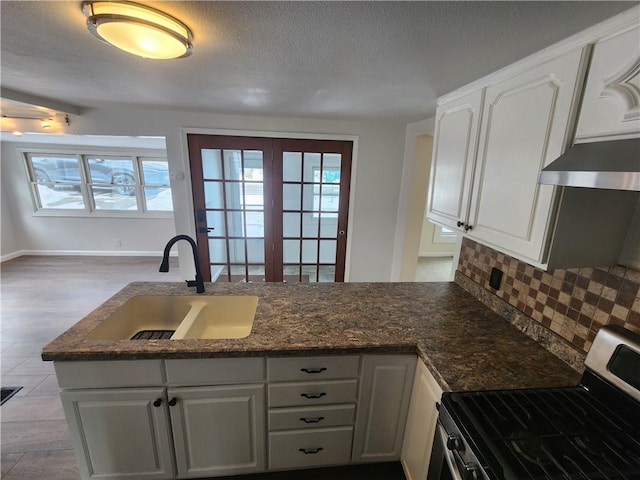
[(611, 103), (457, 129), (526, 124)]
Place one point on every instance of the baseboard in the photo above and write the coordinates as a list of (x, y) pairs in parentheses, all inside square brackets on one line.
[(435, 255), (84, 253)]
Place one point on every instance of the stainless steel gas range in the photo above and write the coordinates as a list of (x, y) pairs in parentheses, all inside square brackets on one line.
[(587, 432)]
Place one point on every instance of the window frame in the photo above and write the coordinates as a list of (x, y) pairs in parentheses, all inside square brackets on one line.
[(83, 154)]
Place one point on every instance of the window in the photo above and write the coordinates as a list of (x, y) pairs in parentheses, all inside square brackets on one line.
[(91, 184), (444, 235)]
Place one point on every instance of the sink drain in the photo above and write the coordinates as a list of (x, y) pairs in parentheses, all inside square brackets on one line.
[(153, 335)]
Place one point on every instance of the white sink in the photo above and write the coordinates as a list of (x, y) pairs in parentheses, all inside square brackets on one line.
[(191, 316)]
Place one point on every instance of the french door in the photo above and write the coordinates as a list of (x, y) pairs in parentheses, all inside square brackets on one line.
[(270, 209)]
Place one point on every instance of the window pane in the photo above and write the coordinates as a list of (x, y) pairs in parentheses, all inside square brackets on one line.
[(327, 251), (218, 250), (291, 251), (309, 273), (106, 199), (291, 225), (56, 169), (215, 220), (327, 273), (291, 197), (213, 195), (236, 251), (309, 225), (113, 183), (211, 165), (232, 165), (291, 166), (311, 165), (253, 196), (158, 199), (234, 224), (309, 251), (253, 169), (255, 224), (155, 172), (66, 198), (255, 251), (328, 225)]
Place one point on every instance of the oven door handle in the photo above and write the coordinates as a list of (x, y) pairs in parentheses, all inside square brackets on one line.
[(457, 467)]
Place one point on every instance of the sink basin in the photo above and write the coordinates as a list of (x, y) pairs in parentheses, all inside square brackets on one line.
[(219, 317), (188, 316)]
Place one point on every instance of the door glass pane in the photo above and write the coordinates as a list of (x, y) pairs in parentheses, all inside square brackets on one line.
[(331, 168), (235, 224), (291, 225), (238, 270), (213, 195), (255, 251), (327, 251), (328, 225), (211, 164), (217, 251), (215, 220), (236, 251), (309, 225), (255, 224), (327, 273), (232, 165), (311, 164), (253, 167), (309, 197), (233, 191), (291, 273), (309, 251), (309, 273), (291, 166), (291, 196), (291, 251), (253, 196)]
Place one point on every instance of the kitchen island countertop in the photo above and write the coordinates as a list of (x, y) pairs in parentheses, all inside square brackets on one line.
[(463, 343)]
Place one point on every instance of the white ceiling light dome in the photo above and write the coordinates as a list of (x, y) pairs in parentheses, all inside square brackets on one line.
[(138, 29)]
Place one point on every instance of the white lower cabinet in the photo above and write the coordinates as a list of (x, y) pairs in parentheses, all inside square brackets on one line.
[(194, 418), (385, 389), (421, 424), (165, 432), (218, 430), (120, 433)]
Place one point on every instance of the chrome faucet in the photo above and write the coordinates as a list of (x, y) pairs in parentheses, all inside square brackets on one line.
[(164, 266)]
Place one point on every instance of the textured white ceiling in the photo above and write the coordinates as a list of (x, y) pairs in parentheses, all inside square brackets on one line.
[(318, 59)]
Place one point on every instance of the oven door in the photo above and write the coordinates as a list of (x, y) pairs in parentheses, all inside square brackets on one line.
[(442, 464)]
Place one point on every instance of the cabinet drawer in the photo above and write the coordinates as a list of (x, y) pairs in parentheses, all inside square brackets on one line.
[(109, 373), (311, 417), (312, 393), (312, 368), (307, 448), (214, 371)]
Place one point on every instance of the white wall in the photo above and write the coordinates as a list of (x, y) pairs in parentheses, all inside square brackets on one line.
[(375, 192), (67, 235)]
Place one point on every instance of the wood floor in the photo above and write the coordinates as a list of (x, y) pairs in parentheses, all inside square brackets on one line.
[(40, 297)]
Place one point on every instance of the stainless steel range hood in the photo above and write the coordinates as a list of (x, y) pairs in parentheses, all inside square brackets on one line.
[(613, 165)]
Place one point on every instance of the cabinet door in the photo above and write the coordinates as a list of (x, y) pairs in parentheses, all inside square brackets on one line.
[(611, 103), (454, 154), (421, 424), (525, 126), (119, 433), (218, 430), (386, 382)]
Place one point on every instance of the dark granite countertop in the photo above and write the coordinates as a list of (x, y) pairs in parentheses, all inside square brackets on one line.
[(463, 343)]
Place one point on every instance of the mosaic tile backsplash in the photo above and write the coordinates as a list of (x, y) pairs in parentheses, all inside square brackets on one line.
[(573, 303)]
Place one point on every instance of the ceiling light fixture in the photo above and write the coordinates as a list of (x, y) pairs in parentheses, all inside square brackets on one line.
[(138, 29)]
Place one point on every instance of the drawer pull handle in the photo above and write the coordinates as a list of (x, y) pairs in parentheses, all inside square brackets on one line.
[(311, 420), (313, 395), (310, 451), (313, 370)]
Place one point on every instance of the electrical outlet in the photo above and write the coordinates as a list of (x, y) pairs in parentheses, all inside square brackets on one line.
[(118, 242), (495, 278)]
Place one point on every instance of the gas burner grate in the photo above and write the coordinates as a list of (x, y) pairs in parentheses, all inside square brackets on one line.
[(557, 434)]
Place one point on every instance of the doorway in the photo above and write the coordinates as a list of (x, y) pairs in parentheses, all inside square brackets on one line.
[(270, 209)]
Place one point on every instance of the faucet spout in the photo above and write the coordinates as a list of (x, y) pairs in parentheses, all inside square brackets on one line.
[(164, 265)]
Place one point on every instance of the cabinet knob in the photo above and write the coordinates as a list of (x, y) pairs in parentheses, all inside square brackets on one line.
[(173, 401), (313, 395), (459, 223), (313, 370), (468, 227), (310, 451), (157, 402)]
